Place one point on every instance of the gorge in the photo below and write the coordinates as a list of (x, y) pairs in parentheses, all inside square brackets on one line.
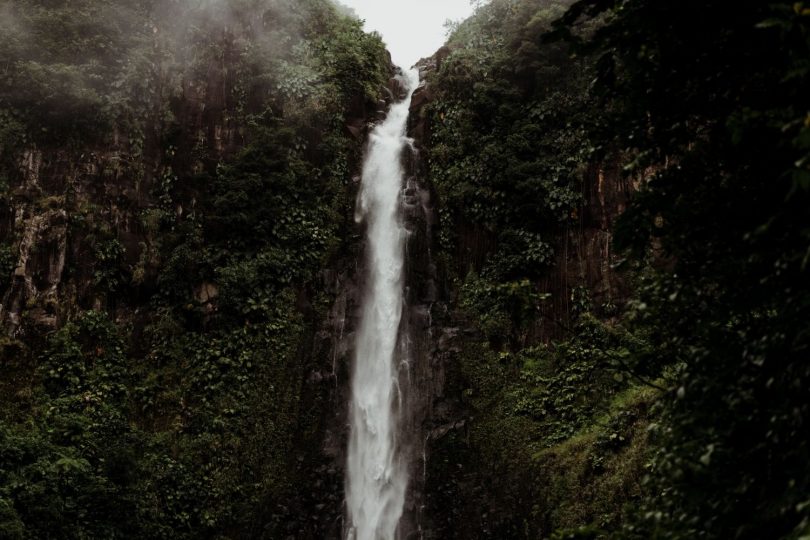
[(258, 282), (377, 471)]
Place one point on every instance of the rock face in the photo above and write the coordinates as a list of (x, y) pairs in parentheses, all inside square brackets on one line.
[(102, 192), (38, 274), (439, 331), (424, 300), (76, 219)]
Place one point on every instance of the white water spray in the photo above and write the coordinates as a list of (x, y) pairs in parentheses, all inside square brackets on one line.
[(377, 471)]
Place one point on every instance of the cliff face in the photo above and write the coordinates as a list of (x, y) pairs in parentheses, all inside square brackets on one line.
[(62, 200), (475, 479), (170, 267)]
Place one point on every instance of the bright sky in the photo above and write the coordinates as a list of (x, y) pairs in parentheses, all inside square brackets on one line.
[(412, 29)]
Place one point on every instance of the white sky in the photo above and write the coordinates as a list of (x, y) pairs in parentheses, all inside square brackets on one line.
[(412, 29)]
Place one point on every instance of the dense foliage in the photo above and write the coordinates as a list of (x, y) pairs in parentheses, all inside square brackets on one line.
[(716, 106), (557, 437), (506, 151), (184, 167), (707, 104), (167, 404)]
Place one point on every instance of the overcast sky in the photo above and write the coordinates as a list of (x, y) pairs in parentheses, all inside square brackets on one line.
[(412, 29)]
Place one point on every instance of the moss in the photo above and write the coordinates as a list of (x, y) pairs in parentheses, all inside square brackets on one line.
[(592, 476), (554, 442)]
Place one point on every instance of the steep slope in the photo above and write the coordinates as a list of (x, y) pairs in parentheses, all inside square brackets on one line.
[(177, 179), (622, 201), (534, 403)]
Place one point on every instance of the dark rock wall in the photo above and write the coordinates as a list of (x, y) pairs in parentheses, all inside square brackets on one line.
[(104, 188), (584, 257)]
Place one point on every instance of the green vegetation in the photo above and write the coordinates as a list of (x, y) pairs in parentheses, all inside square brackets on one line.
[(708, 105), (167, 404), (507, 145), (186, 168), (557, 438), (716, 107), (557, 441)]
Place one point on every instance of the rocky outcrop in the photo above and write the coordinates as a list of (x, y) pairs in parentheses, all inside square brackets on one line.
[(34, 291)]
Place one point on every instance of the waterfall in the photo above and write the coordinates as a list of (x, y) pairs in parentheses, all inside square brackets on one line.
[(377, 475)]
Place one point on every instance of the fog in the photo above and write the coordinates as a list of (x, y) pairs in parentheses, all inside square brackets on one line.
[(412, 29)]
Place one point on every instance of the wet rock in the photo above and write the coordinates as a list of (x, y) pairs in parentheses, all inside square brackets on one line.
[(448, 342), (397, 89), (421, 97), (356, 129)]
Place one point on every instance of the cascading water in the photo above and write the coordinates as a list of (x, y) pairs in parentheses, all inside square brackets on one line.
[(377, 475)]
